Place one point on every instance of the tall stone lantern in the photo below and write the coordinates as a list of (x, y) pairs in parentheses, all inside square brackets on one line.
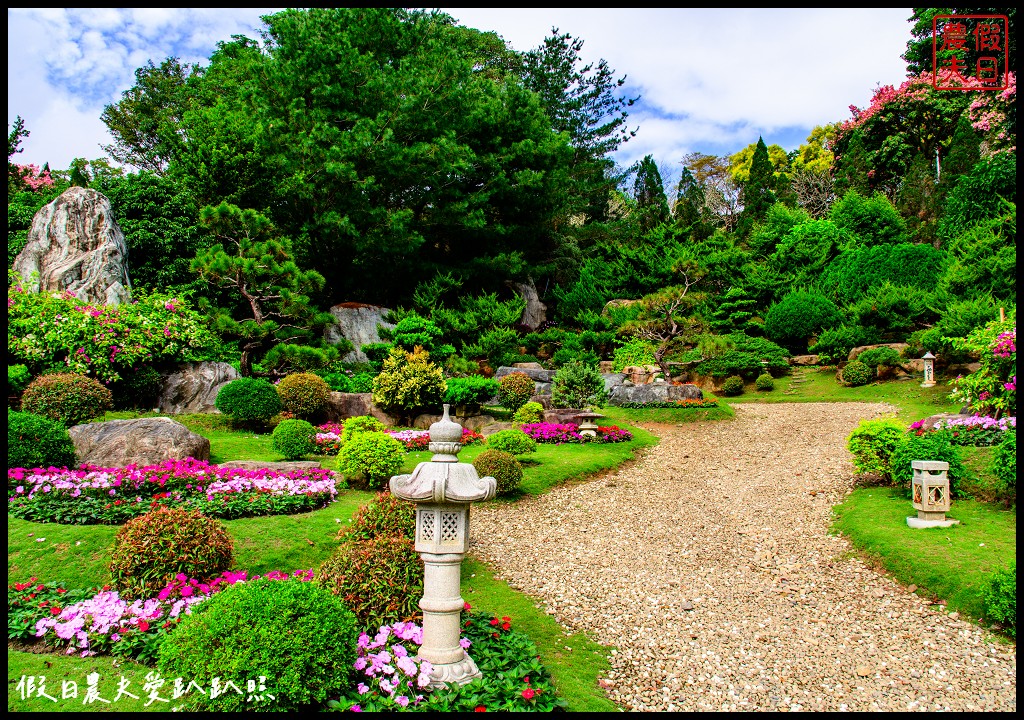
[(930, 494), (442, 490), (929, 370)]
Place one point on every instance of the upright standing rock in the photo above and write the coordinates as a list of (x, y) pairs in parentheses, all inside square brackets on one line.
[(356, 322), (74, 244)]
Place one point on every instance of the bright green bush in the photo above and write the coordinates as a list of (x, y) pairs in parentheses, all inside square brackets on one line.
[(414, 331), (305, 395), (798, 316), (732, 386), (633, 352), (295, 634), (872, 220), (294, 439), (872, 444), (360, 424), (37, 442), (349, 382), (884, 356), (892, 309), (512, 441), (1001, 599), (578, 386), (834, 345), (764, 382), (386, 514), (515, 390), (369, 459), (249, 400), (67, 398), (18, 378), (531, 412), (472, 390), (408, 383), (502, 467), (934, 445), (151, 549), (1004, 462), (857, 373)]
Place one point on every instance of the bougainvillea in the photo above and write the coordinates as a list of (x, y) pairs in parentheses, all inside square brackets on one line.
[(991, 390)]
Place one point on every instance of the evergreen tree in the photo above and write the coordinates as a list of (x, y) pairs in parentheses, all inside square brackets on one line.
[(79, 173), (758, 193), (689, 212), (649, 194)]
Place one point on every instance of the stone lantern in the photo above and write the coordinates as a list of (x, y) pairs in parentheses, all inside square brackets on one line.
[(587, 425), (442, 490), (929, 370), (930, 493)]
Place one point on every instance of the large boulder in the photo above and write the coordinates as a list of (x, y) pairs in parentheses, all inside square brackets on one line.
[(538, 375), (75, 245), (342, 406), (613, 380), (653, 392), (357, 323), (535, 312), (193, 387), (143, 441)]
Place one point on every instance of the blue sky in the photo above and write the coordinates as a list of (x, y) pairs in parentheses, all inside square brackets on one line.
[(710, 80)]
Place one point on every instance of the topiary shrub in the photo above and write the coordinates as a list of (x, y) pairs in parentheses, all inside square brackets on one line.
[(360, 424), (151, 549), (18, 378), (408, 383), (1000, 598), (512, 441), (386, 514), (296, 635), (1004, 463), (798, 316), (834, 345), (856, 374), (872, 443), (249, 400), (37, 442), (935, 445), (294, 439), (531, 412), (379, 578), (305, 395), (764, 382), (472, 391), (884, 356), (515, 390), (502, 467), (369, 459), (577, 385), (732, 386), (138, 389), (67, 398)]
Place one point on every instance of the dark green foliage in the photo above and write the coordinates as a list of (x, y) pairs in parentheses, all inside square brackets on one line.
[(983, 259), (293, 633), (415, 331), (18, 378), (294, 439), (798, 316), (764, 382), (346, 382), (369, 459), (870, 220), (935, 445), (1004, 463), (472, 390), (884, 356), (376, 352), (745, 358), (379, 578), (138, 389), (249, 400), (151, 549), (892, 309), (855, 271), (386, 514), (512, 441), (515, 390), (34, 441), (649, 194), (834, 345), (802, 255), (872, 444), (581, 296), (305, 395), (732, 386), (857, 373), (67, 398), (577, 385), (778, 222), (1001, 599), (979, 195), (758, 192), (502, 467), (499, 345), (958, 319)]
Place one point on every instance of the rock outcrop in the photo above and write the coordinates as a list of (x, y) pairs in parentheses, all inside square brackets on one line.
[(142, 441), (653, 392), (357, 323), (193, 387), (342, 406)]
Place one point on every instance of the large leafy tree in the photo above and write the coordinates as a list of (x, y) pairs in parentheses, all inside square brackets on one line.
[(919, 48)]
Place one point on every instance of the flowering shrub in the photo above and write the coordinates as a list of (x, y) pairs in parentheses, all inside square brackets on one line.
[(976, 430), (515, 390), (67, 398), (559, 434), (386, 514), (32, 601), (990, 113), (391, 676), (111, 496), (992, 390), (32, 177), (412, 439)]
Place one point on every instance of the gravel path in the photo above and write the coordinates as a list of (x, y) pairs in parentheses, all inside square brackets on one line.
[(708, 566)]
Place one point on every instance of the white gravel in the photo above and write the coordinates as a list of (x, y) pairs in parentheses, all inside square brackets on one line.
[(709, 569)]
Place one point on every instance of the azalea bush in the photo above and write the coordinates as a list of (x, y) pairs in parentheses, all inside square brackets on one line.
[(111, 496), (562, 433), (976, 430)]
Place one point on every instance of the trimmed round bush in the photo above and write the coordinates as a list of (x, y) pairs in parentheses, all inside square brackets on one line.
[(577, 385), (502, 467), (37, 442), (294, 439), (732, 385), (531, 412), (872, 444), (798, 316), (249, 400), (305, 395), (515, 390), (1000, 599), (512, 441), (67, 398), (884, 356), (18, 378), (935, 445), (369, 459), (408, 383), (151, 549), (360, 424), (764, 382), (379, 578), (386, 514), (857, 373), (297, 635)]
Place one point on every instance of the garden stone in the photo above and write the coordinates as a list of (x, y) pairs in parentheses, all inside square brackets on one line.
[(804, 360), (542, 388), (341, 406), (75, 245), (605, 367), (357, 323), (193, 387), (541, 376), (423, 422), (491, 428), (653, 392), (528, 366), (613, 380), (142, 441), (281, 467), (476, 422), (535, 312), (543, 400), (562, 416)]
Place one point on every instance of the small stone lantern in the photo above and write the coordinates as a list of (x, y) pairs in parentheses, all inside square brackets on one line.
[(929, 370), (587, 425), (930, 486), (442, 490)]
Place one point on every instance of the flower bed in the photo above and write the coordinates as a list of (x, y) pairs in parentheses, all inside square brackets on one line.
[(560, 434), (328, 438), (113, 495), (708, 402), (976, 430)]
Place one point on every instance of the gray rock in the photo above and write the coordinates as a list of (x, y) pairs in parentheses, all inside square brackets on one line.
[(423, 422), (535, 311), (804, 360), (613, 380), (653, 392), (74, 244), (528, 366), (357, 323), (542, 388), (541, 376), (342, 406), (476, 422), (561, 416), (543, 400), (281, 466), (491, 428), (143, 441), (193, 387)]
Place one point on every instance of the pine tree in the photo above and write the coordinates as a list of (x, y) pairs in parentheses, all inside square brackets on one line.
[(759, 191), (649, 193)]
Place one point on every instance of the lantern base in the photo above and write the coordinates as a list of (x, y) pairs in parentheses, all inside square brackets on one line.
[(460, 672), (916, 522), (928, 383)]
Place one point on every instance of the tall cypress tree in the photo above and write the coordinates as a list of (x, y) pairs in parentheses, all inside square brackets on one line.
[(759, 190), (649, 193)]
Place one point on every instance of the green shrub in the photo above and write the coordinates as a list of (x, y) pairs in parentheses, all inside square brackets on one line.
[(1001, 598), (884, 356), (564, 356), (67, 398), (414, 331), (369, 459), (386, 514), (296, 635), (531, 412), (740, 354), (18, 378), (139, 389), (502, 467), (37, 442), (857, 373), (834, 345), (515, 390), (499, 345), (872, 443), (305, 395), (377, 353), (732, 386), (764, 382), (294, 439), (249, 400), (798, 316), (1004, 462), (151, 549), (633, 352), (360, 424), (578, 386), (349, 382), (512, 441), (379, 578), (935, 445), (472, 390), (892, 309), (408, 383)]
